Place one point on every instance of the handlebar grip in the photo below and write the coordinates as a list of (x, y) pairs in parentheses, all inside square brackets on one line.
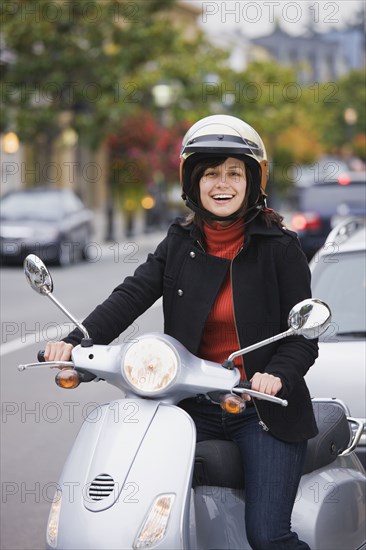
[(245, 384), (40, 356)]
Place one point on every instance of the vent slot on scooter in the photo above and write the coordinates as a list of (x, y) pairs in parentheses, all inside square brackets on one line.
[(101, 487)]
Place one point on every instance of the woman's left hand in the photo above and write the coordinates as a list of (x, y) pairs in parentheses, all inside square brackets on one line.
[(266, 383)]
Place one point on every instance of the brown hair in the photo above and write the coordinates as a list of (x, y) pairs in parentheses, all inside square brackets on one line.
[(268, 215)]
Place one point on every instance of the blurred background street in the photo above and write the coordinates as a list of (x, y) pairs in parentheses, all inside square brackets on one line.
[(95, 99)]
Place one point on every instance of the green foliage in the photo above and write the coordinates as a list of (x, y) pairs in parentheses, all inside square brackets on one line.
[(330, 113), (268, 96), (92, 66), (89, 64)]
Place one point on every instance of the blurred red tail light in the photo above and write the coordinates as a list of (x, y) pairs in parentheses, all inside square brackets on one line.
[(344, 179), (306, 221)]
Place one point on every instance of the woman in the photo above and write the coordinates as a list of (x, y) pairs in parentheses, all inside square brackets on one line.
[(229, 275)]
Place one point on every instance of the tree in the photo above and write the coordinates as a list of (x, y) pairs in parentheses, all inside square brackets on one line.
[(337, 131), (269, 98), (144, 164), (148, 148), (86, 65)]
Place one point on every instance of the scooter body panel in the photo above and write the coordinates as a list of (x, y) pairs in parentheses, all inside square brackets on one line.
[(330, 507), (219, 518), (147, 449), (326, 513)]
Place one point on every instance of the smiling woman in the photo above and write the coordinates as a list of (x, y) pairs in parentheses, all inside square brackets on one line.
[(228, 278), (223, 187)]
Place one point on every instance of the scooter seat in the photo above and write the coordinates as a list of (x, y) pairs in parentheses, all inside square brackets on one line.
[(218, 462), (333, 437)]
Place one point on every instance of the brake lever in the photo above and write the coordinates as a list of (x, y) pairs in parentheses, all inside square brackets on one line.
[(261, 395), (50, 364)]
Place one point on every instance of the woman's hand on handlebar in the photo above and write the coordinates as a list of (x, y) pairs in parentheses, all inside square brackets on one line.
[(58, 351), (266, 383)]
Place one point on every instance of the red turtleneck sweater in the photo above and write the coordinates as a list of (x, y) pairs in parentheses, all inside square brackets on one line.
[(220, 338)]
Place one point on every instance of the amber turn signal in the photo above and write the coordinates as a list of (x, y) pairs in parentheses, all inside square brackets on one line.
[(68, 379), (232, 403)]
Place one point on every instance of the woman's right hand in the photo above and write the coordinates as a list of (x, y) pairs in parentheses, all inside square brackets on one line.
[(58, 351)]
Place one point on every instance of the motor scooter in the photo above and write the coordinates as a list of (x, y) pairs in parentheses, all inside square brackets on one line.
[(135, 478)]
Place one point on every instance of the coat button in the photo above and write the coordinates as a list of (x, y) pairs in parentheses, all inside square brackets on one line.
[(180, 292), (192, 254)]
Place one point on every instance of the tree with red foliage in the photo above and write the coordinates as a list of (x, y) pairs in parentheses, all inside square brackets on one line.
[(143, 151)]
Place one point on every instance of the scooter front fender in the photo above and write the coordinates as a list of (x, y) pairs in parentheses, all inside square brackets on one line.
[(136, 450)]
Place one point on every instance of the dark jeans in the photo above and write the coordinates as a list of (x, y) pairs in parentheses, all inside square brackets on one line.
[(272, 470)]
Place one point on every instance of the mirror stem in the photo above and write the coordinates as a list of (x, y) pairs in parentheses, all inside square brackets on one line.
[(79, 325), (289, 332)]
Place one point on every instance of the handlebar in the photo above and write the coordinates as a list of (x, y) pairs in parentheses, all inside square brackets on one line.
[(83, 375), (55, 364), (245, 384), (43, 363), (245, 387)]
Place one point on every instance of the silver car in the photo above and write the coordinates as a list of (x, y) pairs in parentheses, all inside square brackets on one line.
[(339, 278)]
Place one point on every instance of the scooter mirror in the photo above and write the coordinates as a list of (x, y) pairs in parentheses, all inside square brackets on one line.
[(40, 280), (310, 318), (38, 275)]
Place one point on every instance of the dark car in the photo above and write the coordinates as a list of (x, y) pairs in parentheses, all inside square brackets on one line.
[(52, 223), (323, 205)]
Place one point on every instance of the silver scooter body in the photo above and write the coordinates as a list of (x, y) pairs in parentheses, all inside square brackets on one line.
[(329, 511), (139, 461), (127, 483), (141, 448), (131, 451)]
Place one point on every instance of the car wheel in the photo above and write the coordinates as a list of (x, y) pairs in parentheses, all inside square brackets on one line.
[(85, 248), (65, 255), (85, 254)]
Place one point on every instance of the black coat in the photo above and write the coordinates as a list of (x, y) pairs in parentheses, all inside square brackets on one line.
[(269, 276)]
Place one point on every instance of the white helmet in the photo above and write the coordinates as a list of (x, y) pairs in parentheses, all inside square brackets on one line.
[(224, 136)]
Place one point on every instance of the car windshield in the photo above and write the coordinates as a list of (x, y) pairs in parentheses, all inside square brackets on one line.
[(340, 281), (31, 206), (334, 198)]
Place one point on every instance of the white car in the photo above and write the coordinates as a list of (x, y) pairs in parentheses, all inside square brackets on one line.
[(339, 279)]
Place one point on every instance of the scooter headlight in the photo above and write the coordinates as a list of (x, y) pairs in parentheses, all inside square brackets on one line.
[(150, 365)]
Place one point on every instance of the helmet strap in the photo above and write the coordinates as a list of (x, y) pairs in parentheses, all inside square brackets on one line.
[(207, 215)]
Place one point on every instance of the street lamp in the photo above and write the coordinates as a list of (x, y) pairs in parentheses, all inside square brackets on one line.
[(10, 143), (163, 97), (162, 94), (350, 116)]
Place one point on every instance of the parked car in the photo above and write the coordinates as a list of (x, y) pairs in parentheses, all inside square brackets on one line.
[(321, 206), (339, 278), (52, 223)]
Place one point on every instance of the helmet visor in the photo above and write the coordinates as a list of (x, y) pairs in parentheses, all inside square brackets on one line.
[(222, 145)]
